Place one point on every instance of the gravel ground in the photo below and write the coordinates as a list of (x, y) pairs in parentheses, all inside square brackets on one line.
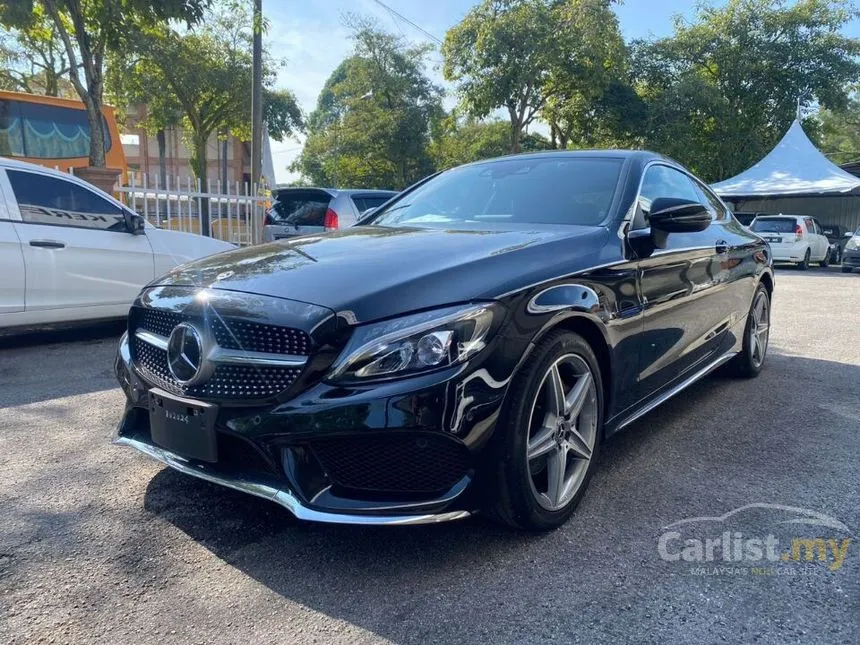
[(100, 545)]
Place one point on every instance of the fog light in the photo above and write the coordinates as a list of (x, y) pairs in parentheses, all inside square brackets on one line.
[(433, 348)]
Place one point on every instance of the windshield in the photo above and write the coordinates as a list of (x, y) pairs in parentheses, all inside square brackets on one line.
[(560, 190), (774, 225)]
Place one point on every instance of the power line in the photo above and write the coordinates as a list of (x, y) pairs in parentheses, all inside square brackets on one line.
[(406, 20)]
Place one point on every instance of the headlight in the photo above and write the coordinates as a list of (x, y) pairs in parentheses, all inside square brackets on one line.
[(414, 344), (853, 243)]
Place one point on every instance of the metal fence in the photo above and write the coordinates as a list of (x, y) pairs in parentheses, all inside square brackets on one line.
[(235, 210)]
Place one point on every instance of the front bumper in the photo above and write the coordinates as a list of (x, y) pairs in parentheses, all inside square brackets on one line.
[(271, 452), (851, 259), (279, 495)]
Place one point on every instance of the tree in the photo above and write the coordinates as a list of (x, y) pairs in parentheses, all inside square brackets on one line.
[(722, 90), (455, 141), (529, 57), (34, 58), (88, 29), (839, 131), (588, 91), (373, 117), (201, 78)]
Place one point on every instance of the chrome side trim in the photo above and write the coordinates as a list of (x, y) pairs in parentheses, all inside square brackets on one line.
[(230, 356), (280, 495), (678, 388), (151, 339)]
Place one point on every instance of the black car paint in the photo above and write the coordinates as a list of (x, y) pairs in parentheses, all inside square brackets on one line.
[(653, 322)]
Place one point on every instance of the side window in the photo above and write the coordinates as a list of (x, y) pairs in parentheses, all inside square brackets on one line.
[(810, 224), (360, 204), (374, 201), (662, 181), (301, 210), (713, 204), (57, 202)]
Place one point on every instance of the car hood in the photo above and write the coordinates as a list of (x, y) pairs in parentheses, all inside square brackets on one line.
[(371, 272)]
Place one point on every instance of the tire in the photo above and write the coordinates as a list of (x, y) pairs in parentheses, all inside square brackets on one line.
[(846, 269), (803, 266), (749, 362), (826, 261), (519, 471)]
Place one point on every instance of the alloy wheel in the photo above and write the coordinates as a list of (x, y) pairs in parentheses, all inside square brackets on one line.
[(562, 431), (760, 328)]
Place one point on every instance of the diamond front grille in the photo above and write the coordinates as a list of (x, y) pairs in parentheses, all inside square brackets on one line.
[(228, 382), (232, 334)]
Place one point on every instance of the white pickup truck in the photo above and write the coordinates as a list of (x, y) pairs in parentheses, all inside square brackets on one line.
[(70, 252)]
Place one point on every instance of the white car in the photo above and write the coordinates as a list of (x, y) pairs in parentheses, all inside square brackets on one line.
[(793, 238), (70, 252)]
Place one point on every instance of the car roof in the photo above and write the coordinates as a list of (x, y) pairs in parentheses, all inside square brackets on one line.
[(334, 192), (772, 215), (636, 155), (14, 164)]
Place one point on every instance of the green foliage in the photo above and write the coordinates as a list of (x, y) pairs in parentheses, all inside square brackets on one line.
[(533, 57), (372, 122), (200, 79), (839, 131), (722, 90), (33, 57)]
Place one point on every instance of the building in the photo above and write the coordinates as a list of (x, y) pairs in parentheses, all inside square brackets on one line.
[(227, 161)]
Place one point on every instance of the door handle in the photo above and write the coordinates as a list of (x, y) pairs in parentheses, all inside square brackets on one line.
[(48, 244), (721, 247)]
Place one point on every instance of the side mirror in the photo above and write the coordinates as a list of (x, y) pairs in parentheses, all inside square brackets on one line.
[(135, 223), (673, 215)]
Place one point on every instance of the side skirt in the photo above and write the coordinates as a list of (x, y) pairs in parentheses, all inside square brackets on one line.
[(668, 394)]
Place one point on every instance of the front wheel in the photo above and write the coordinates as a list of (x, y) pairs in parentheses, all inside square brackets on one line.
[(803, 266), (749, 361), (548, 437)]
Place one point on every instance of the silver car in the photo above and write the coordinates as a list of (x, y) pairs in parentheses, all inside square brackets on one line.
[(303, 211)]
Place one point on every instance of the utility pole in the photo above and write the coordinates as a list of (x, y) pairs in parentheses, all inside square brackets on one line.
[(257, 97)]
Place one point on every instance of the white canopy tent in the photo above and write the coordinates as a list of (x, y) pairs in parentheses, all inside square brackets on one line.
[(794, 167)]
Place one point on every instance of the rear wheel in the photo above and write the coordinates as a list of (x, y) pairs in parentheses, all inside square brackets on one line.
[(846, 269), (826, 261), (548, 438), (803, 266), (749, 362)]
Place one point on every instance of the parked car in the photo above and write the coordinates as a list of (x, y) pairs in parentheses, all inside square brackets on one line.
[(69, 252), (851, 254), (835, 235), (302, 211), (794, 238), (468, 347)]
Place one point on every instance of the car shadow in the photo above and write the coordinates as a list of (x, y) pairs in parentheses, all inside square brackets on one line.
[(368, 576)]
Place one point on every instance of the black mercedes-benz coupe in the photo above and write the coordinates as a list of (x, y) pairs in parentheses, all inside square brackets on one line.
[(466, 349)]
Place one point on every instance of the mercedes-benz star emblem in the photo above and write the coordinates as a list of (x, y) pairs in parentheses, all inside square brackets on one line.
[(185, 353)]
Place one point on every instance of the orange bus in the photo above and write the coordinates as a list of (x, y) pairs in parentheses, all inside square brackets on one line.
[(53, 132)]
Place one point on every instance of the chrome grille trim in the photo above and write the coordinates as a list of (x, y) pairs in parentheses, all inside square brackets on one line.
[(151, 339), (222, 356)]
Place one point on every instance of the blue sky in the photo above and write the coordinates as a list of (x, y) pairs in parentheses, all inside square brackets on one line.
[(312, 39)]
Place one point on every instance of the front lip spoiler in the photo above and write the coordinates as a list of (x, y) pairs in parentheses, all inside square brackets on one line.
[(279, 495)]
